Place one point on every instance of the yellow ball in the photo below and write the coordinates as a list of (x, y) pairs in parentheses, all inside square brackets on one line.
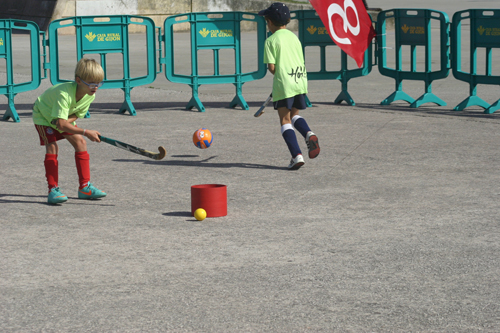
[(200, 214)]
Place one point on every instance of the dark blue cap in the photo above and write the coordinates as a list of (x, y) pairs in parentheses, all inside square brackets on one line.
[(277, 12)]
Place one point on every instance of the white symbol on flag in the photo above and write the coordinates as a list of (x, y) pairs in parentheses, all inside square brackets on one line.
[(336, 9)]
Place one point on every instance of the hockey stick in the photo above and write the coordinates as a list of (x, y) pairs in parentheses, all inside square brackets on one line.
[(155, 156), (261, 110)]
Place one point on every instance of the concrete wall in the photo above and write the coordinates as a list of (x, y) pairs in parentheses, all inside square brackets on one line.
[(44, 11), (158, 10)]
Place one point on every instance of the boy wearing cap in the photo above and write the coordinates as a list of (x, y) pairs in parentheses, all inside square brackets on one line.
[(285, 60)]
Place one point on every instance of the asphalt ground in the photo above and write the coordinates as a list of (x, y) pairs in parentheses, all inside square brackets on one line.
[(394, 227)]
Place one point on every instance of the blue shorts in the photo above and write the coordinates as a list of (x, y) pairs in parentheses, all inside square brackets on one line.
[(298, 102)]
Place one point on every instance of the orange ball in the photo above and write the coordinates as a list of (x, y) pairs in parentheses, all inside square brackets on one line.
[(202, 138)]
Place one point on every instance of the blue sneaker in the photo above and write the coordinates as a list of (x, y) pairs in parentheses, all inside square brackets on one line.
[(56, 197), (90, 192)]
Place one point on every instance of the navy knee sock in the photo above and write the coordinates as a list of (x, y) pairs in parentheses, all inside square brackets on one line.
[(301, 125), (290, 139)]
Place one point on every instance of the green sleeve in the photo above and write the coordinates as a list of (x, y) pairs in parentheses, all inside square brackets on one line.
[(269, 53), (61, 107)]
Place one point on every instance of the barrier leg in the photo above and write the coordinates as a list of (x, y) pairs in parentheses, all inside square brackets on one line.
[(127, 104), (195, 100), (428, 97), (238, 99), (11, 111), (398, 95), (472, 100), (344, 95), (495, 106)]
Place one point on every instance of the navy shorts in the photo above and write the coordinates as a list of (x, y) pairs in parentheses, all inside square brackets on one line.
[(298, 102)]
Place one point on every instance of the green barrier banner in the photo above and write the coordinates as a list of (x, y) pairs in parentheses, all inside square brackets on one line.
[(215, 34), (3, 47), (413, 31), (316, 31), (487, 32), (107, 38)]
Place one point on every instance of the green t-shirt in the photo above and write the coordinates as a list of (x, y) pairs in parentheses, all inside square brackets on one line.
[(59, 102), (284, 50)]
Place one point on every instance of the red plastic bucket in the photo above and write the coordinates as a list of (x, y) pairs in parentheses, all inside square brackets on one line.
[(211, 197)]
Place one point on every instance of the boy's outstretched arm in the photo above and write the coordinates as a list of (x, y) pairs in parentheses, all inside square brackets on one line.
[(66, 126)]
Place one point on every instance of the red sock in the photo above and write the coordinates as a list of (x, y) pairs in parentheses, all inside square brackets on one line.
[(82, 160), (51, 170)]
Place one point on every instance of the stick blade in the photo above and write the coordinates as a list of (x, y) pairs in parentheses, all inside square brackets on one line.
[(259, 112), (162, 153)]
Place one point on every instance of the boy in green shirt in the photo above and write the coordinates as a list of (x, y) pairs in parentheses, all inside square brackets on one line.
[(285, 60), (54, 115)]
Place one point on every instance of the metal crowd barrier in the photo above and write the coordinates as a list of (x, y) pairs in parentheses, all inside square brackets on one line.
[(11, 89), (484, 33), (214, 31), (104, 35), (413, 28)]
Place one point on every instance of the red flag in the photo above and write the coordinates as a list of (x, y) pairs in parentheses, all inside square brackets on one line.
[(348, 24)]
